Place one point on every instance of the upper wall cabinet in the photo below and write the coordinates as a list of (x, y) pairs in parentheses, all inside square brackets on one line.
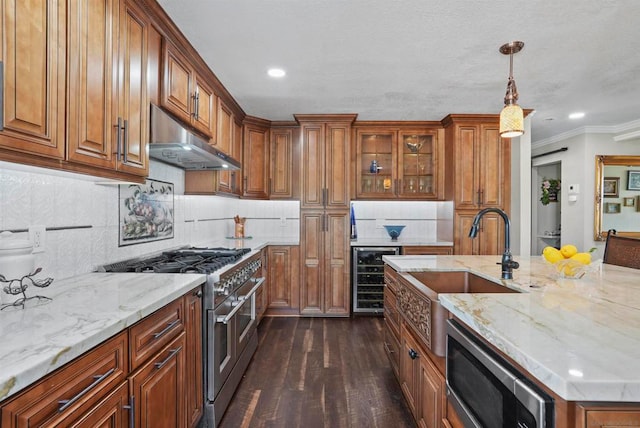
[(255, 163), (284, 149), (105, 46), (108, 110), (186, 94), (399, 163), (33, 55)]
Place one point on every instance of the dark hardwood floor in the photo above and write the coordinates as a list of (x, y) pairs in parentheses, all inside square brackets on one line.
[(319, 372)]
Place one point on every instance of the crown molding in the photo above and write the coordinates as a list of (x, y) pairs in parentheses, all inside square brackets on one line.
[(613, 129)]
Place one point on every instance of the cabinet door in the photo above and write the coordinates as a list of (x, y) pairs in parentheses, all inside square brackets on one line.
[(194, 378), (490, 239), (313, 186), (256, 162), (158, 388), (337, 293), (32, 50), (418, 156), (467, 187), (494, 161), (607, 415), (204, 105), (224, 142), (177, 94), (283, 290), (409, 369), (133, 104), (336, 153), (236, 153), (281, 164), (312, 262), (376, 163), (93, 60), (432, 394)]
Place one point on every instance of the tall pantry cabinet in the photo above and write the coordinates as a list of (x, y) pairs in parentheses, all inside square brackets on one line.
[(481, 179), (324, 218)]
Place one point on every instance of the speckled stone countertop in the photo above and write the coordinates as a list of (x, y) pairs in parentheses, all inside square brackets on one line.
[(85, 311), (579, 337)]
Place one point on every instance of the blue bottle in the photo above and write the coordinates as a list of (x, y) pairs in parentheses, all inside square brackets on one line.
[(354, 231)]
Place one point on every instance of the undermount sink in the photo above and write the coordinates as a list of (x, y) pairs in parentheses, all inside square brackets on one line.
[(430, 285)]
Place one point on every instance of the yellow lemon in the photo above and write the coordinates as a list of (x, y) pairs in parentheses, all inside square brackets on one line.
[(568, 251), (552, 255), (584, 258)]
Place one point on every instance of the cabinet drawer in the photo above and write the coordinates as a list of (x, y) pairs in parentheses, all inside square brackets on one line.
[(152, 333), (391, 314), (74, 388), (392, 348)]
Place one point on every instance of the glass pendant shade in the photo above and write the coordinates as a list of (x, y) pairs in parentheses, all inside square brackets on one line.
[(511, 121)]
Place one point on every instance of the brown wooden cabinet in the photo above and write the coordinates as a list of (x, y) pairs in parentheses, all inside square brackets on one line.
[(396, 163), (194, 365), (607, 415), (391, 321), (33, 55), (225, 142), (158, 388), (80, 385), (255, 166), (283, 167), (324, 218), (283, 290), (186, 94), (108, 114), (427, 250), (481, 175)]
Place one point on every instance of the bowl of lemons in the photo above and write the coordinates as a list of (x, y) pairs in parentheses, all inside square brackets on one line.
[(568, 262)]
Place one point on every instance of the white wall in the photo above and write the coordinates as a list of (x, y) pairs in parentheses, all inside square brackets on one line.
[(578, 167), (30, 196)]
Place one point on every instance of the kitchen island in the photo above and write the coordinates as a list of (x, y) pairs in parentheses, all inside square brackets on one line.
[(578, 337)]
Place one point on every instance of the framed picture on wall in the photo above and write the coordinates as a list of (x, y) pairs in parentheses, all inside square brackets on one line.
[(611, 187), (633, 180), (629, 202), (612, 208)]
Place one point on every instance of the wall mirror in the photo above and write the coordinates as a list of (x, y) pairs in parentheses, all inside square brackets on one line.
[(617, 196)]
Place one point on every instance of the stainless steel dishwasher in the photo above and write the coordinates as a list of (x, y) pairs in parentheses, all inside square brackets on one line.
[(367, 276)]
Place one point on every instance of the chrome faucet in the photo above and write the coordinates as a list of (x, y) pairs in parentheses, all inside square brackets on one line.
[(508, 264)]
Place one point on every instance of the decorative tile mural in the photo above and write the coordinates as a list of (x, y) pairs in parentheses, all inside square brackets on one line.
[(146, 212)]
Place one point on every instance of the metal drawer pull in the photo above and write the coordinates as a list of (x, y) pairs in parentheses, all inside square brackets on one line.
[(413, 354), (64, 404), (125, 145), (166, 360), (118, 127), (166, 329), (132, 411)]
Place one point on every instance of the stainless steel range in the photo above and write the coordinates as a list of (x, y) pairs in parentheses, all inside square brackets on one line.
[(229, 308)]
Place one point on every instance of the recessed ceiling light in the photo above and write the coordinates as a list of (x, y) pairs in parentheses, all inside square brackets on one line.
[(576, 115), (276, 72)]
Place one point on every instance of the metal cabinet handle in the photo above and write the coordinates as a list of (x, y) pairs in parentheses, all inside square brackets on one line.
[(64, 404), (198, 293), (413, 354), (118, 127), (172, 353), (251, 292), (481, 197), (198, 105), (244, 184), (132, 411), (166, 329), (125, 144)]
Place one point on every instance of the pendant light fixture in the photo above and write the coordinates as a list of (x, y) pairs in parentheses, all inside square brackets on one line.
[(511, 116)]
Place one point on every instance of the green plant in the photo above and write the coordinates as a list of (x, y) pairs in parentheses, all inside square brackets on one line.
[(550, 189)]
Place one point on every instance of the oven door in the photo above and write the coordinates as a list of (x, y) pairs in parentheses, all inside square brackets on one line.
[(221, 352), (486, 391), (246, 315)]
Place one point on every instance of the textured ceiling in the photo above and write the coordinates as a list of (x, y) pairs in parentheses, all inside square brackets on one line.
[(422, 59)]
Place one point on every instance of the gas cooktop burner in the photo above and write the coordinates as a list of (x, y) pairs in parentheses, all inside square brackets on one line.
[(186, 260)]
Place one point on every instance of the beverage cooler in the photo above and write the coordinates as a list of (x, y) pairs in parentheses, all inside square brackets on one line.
[(368, 278)]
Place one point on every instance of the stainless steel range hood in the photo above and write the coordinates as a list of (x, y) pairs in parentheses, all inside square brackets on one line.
[(172, 143)]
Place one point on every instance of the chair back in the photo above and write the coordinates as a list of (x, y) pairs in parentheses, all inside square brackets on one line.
[(622, 251)]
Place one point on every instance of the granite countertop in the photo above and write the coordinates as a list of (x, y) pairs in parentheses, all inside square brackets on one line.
[(579, 337), (401, 242), (85, 311)]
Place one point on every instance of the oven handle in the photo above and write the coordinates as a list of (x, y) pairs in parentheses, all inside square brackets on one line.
[(224, 319)]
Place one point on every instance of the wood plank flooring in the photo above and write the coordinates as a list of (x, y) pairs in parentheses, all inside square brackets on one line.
[(319, 372)]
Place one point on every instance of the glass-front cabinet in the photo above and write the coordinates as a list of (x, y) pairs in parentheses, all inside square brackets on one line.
[(392, 163)]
